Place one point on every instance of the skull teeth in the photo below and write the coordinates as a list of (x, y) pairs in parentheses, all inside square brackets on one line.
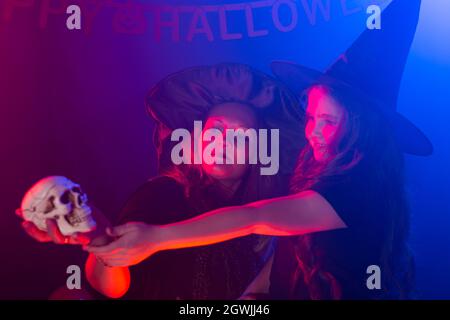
[(74, 219)]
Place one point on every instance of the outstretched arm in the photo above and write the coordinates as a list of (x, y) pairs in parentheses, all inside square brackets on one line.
[(297, 214)]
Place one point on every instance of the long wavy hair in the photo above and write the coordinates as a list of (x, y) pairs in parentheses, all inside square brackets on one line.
[(367, 140)]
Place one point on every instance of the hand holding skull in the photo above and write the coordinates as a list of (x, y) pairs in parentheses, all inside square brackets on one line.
[(134, 242), (56, 209)]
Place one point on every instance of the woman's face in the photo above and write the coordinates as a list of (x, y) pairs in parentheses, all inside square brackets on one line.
[(325, 122), (229, 116)]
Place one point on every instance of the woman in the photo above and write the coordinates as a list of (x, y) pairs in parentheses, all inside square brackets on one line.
[(223, 97), (347, 207), (181, 193)]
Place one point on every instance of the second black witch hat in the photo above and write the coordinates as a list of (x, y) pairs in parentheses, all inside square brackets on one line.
[(373, 66)]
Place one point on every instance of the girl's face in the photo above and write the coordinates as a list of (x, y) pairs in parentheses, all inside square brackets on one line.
[(325, 122), (222, 117)]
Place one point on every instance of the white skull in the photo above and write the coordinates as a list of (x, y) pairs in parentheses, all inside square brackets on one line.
[(58, 198)]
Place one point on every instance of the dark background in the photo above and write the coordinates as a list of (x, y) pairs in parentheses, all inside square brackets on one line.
[(72, 104)]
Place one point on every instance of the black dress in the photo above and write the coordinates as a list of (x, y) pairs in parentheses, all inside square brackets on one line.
[(220, 271), (333, 264)]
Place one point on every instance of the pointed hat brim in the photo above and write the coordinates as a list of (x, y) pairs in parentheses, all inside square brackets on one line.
[(410, 139)]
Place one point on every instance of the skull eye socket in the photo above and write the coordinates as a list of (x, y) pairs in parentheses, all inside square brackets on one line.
[(76, 190), (80, 200), (65, 198), (50, 205)]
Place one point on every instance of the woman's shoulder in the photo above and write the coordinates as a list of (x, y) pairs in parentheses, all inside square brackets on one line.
[(155, 201), (158, 190), (352, 195), (160, 184)]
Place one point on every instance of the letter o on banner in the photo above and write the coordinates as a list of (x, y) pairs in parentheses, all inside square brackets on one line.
[(276, 15)]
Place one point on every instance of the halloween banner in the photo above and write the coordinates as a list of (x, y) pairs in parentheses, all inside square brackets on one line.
[(224, 150)]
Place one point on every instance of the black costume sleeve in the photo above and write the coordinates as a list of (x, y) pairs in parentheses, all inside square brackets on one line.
[(347, 196), (158, 201)]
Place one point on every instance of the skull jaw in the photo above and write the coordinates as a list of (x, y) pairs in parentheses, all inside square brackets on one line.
[(80, 220)]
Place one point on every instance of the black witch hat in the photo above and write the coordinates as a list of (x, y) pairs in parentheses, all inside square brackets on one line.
[(188, 95), (373, 66)]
